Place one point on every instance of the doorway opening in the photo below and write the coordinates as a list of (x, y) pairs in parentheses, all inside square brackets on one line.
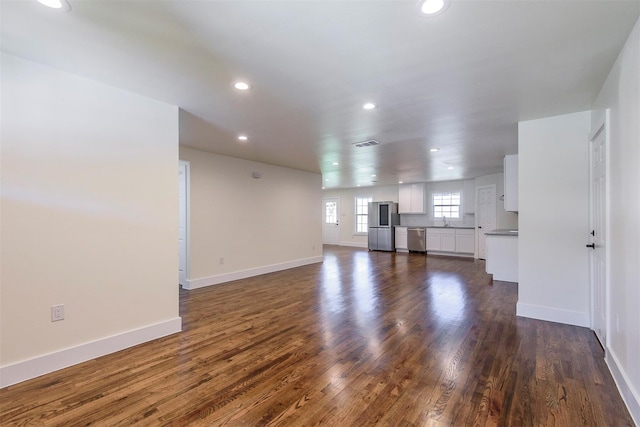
[(598, 233), (183, 223)]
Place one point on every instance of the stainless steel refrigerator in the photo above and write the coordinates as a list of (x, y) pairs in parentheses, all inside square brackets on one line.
[(383, 217)]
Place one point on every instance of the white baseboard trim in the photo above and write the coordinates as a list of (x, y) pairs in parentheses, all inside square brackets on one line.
[(243, 274), (552, 314), (47, 363), (455, 254), (354, 244), (630, 396)]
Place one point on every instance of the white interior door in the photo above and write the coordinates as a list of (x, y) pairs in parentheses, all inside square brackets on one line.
[(330, 223), (486, 199), (183, 216), (597, 258)]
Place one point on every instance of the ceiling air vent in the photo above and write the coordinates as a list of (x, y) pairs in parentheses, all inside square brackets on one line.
[(367, 143)]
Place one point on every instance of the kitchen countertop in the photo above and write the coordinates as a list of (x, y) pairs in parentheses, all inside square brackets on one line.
[(437, 226), (460, 227), (502, 232)]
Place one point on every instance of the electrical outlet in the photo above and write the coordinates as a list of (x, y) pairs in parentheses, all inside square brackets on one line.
[(57, 312), (221, 260)]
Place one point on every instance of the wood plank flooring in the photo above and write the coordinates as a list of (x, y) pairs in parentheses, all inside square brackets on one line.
[(365, 338)]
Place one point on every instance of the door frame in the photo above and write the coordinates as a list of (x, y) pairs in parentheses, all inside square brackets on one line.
[(187, 221), (495, 200), (602, 126)]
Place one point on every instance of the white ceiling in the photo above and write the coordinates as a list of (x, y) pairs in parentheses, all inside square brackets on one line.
[(460, 81)]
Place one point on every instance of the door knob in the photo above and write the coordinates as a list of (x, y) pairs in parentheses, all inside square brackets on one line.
[(592, 246)]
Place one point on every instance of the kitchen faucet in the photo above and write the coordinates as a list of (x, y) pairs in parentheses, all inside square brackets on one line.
[(444, 221)]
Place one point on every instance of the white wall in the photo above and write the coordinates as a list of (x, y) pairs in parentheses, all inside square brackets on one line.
[(347, 196), (504, 219), (553, 219), (621, 95), (255, 225), (89, 219), (440, 187)]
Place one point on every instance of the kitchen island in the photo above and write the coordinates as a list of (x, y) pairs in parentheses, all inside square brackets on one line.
[(502, 254)]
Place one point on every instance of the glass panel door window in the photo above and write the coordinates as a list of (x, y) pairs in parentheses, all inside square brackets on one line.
[(331, 212)]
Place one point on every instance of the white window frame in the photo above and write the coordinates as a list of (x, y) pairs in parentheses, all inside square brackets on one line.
[(357, 215), (446, 193)]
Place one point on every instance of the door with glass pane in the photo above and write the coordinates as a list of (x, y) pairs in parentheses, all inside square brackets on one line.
[(330, 224)]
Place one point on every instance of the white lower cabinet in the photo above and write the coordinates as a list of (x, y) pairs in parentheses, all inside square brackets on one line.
[(448, 243), (434, 241), (465, 241), (401, 239), (451, 240), (441, 239)]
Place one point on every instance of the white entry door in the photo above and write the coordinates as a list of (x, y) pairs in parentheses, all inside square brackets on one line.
[(183, 216), (330, 223), (597, 258), (486, 199)]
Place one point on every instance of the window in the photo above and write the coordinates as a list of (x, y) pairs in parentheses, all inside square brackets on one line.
[(362, 214), (446, 204)]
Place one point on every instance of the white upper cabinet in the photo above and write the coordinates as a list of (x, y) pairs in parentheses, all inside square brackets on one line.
[(511, 183), (411, 199), (404, 198)]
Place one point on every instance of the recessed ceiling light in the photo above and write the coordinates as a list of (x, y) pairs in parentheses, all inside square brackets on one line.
[(450, 167), (358, 185), (369, 106), (56, 4), (323, 188), (335, 163), (433, 7), (433, 150), (242, 85), (400, 182), (242, 137), (373, 176), (327, 179)]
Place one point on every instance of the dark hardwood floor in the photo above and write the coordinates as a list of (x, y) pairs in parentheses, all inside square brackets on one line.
[(365, 338)]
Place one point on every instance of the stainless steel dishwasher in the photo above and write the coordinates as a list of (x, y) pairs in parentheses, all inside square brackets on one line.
[(416, 239)]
